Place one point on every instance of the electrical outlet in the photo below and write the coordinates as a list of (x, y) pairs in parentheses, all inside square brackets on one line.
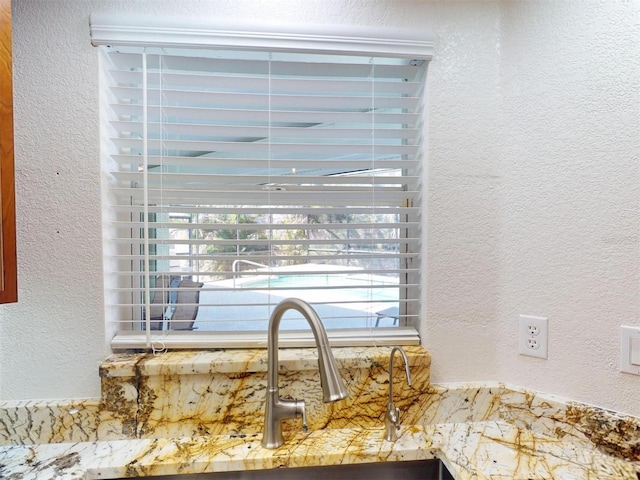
[(532, 336)]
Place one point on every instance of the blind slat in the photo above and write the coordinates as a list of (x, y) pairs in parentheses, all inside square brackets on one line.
[(278, 199), (183, 210), (277, 180), (267, 241), (275, 101), (261, 117), (201, 147), (379, 226), (256, 257), (309, 65), (231, 81), (169, 129), (361, 164)]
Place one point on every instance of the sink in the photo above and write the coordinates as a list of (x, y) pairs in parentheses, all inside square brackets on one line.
[(410, 470)]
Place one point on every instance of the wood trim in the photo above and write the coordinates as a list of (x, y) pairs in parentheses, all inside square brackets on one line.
[(8, 257)]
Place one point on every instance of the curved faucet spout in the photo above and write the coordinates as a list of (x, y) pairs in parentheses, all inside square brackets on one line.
[(277, 409), (406, 369), (392, 417)]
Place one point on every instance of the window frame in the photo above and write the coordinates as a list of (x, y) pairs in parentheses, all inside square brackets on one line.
[(109, 29)]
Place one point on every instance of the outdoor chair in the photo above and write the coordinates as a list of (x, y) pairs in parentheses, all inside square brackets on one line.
[(392, 312), (182, 314)]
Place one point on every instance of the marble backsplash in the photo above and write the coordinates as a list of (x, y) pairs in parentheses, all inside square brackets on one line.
[(210, 393), (31, 422), (191, 394)]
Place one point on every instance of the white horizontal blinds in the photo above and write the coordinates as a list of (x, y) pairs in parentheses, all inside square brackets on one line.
[(267, 175)]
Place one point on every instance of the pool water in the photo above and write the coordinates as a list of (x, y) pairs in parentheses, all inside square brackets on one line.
[(341, 301), (361, 287)]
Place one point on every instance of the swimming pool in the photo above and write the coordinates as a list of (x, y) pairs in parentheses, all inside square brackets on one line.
[(341, 300), (360, 287)]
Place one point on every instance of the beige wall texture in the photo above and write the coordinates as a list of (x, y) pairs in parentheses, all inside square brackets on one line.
[(532, 204)]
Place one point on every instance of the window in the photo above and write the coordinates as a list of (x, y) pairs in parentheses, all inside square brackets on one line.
[(239, 176)]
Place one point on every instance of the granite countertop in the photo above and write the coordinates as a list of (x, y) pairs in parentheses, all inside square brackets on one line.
[(472, 450), (197, 412)]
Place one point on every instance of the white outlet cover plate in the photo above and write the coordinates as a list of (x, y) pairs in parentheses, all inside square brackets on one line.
[(526, 338), (630, 350)]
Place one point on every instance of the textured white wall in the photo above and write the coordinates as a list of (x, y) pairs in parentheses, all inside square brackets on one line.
[(52, 339), (533, 190), (462, 215), (569, 195)]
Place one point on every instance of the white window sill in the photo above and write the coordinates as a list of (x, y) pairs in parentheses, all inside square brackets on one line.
[(288, 339)]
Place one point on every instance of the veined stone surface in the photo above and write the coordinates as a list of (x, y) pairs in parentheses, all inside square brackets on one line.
[(194, 412)]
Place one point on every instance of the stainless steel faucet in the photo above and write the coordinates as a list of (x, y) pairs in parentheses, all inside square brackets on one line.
[(392, 417), (277, 409)]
